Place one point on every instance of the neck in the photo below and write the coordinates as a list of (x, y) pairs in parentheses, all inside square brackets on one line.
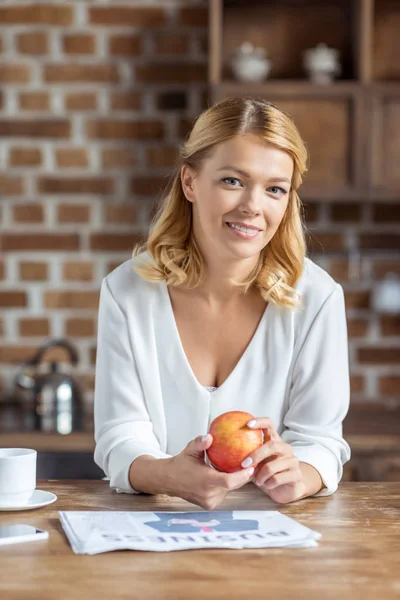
[(219, 284)]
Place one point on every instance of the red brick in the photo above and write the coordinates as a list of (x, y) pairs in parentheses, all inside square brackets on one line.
[(389, 385), (71, 299), (71, 157), (171, 73), (37, 128), (126, 100), (148, 186), (346, 212), (310, 210), (79, 44), (171, 43), (376, 355), (386, 212), (379, 241), (193, 16), (78, 271), (128, 16), (357, 327), (184, 127), (114, 242), (319, 242), (15, 73), (38, 242), (34, 327), (25, 157), (16, 354), (73, 213), (13, 299), (37, 101), (11, 186), (118, 157), (28, 213), (174, 100), (112, 265), (162, 156), (81, 101), (381, 268), (92, 356), (339, 269), (357, 298), (86, 73), (390, 325), (129, 45), (37, 14), (123, 129), (1, 45), (88, 380), (35, 42), (120, 213), (33, 271), (80, 327), (2, 269), (357, 384), (75, 185)]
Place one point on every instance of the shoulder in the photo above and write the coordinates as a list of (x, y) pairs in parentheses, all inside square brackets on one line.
[(315, 286), (125, 284)]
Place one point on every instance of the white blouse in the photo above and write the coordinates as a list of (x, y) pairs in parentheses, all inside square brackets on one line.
[(148, 401)]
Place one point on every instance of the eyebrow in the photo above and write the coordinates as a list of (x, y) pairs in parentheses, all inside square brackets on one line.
[(245, 174)]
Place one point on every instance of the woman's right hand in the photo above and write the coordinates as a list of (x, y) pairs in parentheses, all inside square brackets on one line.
[(191, 479)]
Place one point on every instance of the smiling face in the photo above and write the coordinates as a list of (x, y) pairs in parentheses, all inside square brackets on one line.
[(239, 197)]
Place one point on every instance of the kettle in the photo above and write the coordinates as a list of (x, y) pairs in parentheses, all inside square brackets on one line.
[(55, 396)]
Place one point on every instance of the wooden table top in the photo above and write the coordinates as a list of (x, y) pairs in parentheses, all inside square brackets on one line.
[(358, 556)]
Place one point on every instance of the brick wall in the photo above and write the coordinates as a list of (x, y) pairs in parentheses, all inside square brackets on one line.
[(95, 97)]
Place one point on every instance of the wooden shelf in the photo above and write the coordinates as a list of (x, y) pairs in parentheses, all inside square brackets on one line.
[(84, 442), (48, 442), (359, 113), (286, 87)]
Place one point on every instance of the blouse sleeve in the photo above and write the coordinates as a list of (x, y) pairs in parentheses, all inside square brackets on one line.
[(320, 395), (123, 429)]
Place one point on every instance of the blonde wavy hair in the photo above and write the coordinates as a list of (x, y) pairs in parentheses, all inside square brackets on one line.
[(171, 244)]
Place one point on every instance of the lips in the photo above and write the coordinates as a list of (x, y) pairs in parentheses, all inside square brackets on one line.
[(241, 224)]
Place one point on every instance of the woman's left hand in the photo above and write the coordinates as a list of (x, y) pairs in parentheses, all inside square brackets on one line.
[(277, 470)]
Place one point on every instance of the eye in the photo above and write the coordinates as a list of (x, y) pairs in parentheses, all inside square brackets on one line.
[(277, 190), (229, 180)]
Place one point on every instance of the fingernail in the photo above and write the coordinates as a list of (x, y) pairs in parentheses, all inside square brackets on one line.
[(247, 462), (251, 423), (250, 471), (204, 437)]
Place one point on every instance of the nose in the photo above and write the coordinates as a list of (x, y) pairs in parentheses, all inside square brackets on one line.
[(251, 203)]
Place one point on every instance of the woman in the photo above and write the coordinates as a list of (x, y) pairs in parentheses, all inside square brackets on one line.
[(221, 310)]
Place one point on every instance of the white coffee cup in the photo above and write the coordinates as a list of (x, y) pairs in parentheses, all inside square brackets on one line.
[(17, 476)]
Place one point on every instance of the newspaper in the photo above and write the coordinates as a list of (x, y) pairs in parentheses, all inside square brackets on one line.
[(94, 532)]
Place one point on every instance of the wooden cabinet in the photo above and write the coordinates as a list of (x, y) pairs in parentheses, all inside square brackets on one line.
[(352, 125), (384, 137)]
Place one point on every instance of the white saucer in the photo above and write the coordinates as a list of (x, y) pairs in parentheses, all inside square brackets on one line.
[(39, 498)]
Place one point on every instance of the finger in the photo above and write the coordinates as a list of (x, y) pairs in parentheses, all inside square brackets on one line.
[(273, 468), (266, 424), (267, 451), (233, 481), (283, 478), (197, 446)]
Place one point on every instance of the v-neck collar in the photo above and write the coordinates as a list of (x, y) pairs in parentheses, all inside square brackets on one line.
[(177, 355)]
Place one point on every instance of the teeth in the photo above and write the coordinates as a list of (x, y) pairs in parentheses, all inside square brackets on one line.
[(244, 229)]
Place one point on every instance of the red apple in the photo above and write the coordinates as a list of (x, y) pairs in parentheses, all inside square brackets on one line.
[(233, 441)]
